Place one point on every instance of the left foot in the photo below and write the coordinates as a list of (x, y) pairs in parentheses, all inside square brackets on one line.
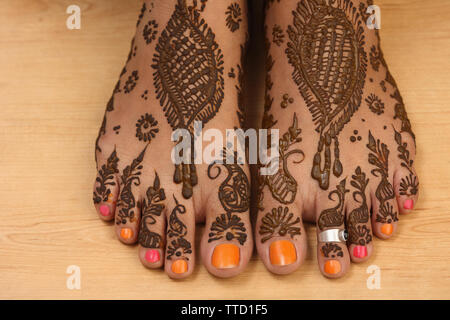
[(346, 145)]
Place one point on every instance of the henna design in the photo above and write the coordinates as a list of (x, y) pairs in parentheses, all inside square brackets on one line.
[(116, 129), (282, 185), (146, 128), (334, 217), (355, 137), (145, 95), (409, 186), (178, 230), (332, 250), (359, 233), (232, 74), (268, 120), (379, 157), (188, 77), (375, 58), (234, 196), (277, 35), (233, 14), (130, 84), (286, 100), (105, 178), (279, 222), (239, 88), (127, 203), (150, 31), (375, 104), (141, 14), (330, 65), (152, 207)]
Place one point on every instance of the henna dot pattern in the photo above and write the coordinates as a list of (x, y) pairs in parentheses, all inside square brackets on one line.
[(150, 31), (116, 129), (131, 82), (144, 95), (330, 77), (375, 104), (355, 136), (188, 77), (279, 222), (146, 128), (286, 101), (234, 16)]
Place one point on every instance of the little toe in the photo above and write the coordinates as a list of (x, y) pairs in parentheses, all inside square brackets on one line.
[(332, 253), (358, 218), (106, 188), (280, 238), (180, 255), (152, 228)]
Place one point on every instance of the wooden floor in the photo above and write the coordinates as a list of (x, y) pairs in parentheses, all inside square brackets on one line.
[(53, 88)]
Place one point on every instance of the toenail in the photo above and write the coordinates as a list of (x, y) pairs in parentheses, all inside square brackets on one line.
[(282, 253), (408, 204), (360, 252), (152, 256), (126, 233), (332, 267), (104, 210), (225, 256), (387, 229), (179, 266)]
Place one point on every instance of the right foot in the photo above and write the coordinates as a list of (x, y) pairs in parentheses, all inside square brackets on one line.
[(346, 144), (181, 68)]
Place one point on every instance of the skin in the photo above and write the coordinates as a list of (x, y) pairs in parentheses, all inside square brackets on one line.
[(349, 178), (153, 202)]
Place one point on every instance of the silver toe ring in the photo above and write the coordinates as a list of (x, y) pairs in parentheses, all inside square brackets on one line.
[(333, 235)]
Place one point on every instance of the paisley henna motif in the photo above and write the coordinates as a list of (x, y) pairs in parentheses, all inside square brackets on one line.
[(188, 77), (177, 230), (105, 178), (329, 61), (409, 186), (334, 217)]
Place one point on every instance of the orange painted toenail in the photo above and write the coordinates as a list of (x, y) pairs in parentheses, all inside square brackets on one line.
[(225, 256), (332, 267), (282, 253), (126, 233), (179, 266), (387, 229)]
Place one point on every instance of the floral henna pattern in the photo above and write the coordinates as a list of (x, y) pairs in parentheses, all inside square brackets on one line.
[(331, 75), (279, 222), (150, 31), (131, 83), (358, 218), (409, 185), (188, 77), (277, 35), (282, 185), (131, 176), (152, 206), (331, 250), (375, 104), (234, 196), (379, 157), (234, 16), (105, 178), (179, 246), (334, 217), (146, 128)]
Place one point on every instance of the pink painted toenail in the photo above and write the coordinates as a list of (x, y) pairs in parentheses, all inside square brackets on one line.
[(152, 256), (104, 210), (360, 252), (408, 204)]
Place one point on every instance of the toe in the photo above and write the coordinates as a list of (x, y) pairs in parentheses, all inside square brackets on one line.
[(332, 253), (280, 238), (152, 228), (128, 208), (106, 187), (227, 242), (358, 218), (406, 183), (385, 215), (180, 255)]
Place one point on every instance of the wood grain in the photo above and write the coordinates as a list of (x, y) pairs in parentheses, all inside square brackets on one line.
[(54, 86)]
